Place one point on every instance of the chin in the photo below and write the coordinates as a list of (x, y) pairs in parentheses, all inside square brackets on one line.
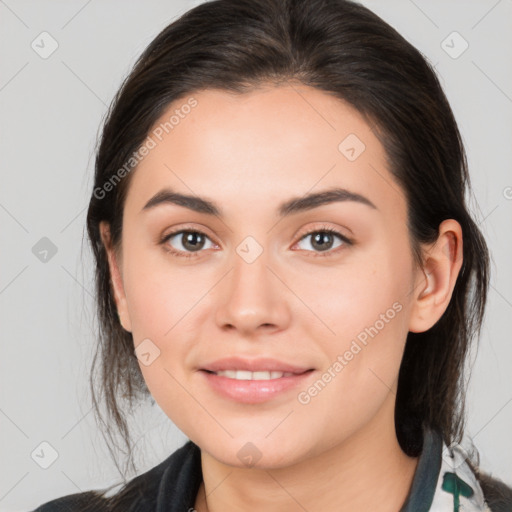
[(255, 452)]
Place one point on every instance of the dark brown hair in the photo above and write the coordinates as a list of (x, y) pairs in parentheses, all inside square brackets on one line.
[(343, 49)]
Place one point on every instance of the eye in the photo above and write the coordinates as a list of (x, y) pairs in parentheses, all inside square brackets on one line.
[(191, 242), (323, 240), (188, 243)]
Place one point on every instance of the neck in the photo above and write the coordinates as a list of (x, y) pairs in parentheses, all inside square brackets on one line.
[(367, 471)]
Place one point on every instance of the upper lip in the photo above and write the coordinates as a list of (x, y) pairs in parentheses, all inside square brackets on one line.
[(253, 365)]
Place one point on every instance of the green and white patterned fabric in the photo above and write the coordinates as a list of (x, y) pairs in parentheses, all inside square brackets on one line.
[(444, 481), (457, 488)]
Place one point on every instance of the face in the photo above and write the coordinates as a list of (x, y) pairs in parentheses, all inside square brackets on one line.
[(264, 278)]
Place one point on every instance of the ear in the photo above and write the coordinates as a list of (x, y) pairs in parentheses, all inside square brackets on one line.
[(436, 280), (116, 280)]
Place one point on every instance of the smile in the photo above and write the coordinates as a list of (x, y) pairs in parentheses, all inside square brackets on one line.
[(256, 387), (247, 375)]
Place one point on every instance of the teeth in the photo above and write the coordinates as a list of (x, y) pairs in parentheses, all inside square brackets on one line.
[(246, 375)]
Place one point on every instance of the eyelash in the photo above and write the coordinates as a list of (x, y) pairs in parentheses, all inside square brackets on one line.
[(324, 229)]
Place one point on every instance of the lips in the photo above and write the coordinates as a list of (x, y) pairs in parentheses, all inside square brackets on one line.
[(254, 366), (253, 381)]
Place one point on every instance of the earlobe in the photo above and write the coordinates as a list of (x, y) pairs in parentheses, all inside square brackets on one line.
[(116, 279), (436, 280)]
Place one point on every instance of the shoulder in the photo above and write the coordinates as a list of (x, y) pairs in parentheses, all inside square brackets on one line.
[(74, 502), (141, 490), (498, 495)]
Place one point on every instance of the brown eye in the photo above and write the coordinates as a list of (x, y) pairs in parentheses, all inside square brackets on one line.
[(185, 241), (323, 240)]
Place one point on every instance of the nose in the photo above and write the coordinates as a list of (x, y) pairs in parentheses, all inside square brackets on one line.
[(253, 298)]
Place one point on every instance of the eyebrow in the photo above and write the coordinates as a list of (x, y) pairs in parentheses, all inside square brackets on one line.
[(294, 205)]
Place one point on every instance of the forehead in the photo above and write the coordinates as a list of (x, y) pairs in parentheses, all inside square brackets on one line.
[(264, 146)]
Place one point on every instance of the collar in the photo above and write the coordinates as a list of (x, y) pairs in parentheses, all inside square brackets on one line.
[(443, 481)]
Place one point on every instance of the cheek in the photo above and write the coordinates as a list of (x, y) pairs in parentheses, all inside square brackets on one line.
[(363, 311), (362, 364), (159, 294), (161, 307), (344, 302)]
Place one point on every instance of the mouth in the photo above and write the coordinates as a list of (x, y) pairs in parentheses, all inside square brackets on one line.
[(253, 381)]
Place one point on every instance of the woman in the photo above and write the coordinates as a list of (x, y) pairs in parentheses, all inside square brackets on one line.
[(287, 266)]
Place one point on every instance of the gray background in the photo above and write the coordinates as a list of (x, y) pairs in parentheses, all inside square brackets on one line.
[(50, 112)]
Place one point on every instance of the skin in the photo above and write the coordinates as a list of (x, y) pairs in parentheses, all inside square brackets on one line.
[(248, 153)]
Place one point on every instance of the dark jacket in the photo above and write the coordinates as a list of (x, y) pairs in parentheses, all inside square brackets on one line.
[(172, 486)]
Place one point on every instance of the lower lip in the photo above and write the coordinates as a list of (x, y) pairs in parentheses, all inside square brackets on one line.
[(253, 391)]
